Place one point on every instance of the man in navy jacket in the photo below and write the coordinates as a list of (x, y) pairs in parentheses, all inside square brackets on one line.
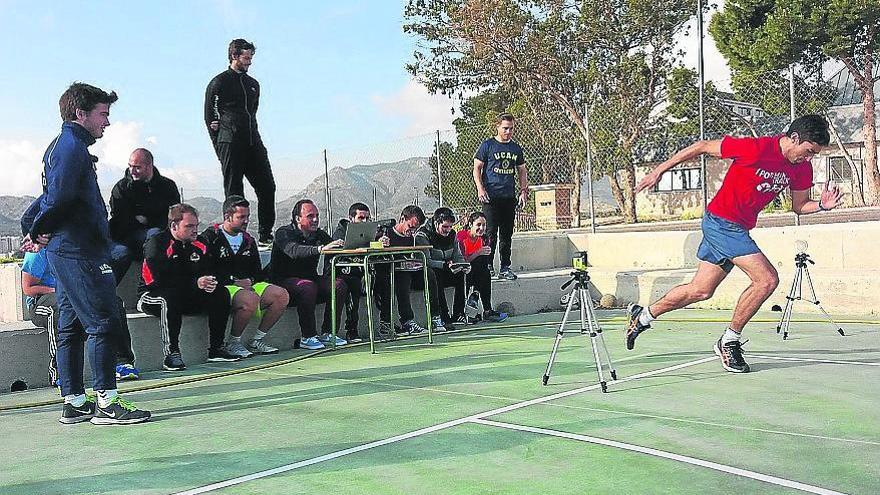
[(72, 225)]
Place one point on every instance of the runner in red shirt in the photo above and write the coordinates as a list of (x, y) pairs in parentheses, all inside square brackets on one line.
[(761, 169)]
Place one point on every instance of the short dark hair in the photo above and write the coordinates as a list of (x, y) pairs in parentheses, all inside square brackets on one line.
[(232, 202), (812, 128), (413, 211), (297, 208), (84, 97), (353, 209), (504, 116), (473, 217), (444, 214), (239, 45), (176, 212)]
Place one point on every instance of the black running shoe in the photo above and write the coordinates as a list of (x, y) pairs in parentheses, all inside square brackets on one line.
[(221, 355), (266, 240), (506, 274), (731, 356), (634, 328), (353, 337), (71, 414), (173, 362), (119, 412)]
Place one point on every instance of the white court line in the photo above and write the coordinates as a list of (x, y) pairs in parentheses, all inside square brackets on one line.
[(812, 360), (666, 455), (397, 438), (579, 408)]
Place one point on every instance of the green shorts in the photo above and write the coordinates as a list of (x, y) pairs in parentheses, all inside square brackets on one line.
[(258, 287)]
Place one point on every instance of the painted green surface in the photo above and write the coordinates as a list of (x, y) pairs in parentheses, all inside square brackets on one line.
[(810, 422)]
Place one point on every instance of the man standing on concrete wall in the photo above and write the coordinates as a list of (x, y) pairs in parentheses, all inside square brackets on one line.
[(72, 224), (231, 102), (761, 168), (495, 163)]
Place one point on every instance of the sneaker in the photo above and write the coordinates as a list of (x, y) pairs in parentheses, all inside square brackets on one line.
[(438, 324), (71, 414), (265, 240), (119, 412), (463, 320), (634, 328), (731, 356), (494, 316), (260, 347), (506, 274), (221, 355), (173, 362), (325, 339), (412, 328), (236, 348), (386, 331), (311, 343), (127, 372), (353, 337)]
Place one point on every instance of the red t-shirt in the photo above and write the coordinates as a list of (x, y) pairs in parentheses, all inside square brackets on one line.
[(469, 245), (758, 173)]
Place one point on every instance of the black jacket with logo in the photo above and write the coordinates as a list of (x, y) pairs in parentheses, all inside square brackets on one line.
[(229, 266), (233, 98), (150, 199), (295, 253), (172, 264)]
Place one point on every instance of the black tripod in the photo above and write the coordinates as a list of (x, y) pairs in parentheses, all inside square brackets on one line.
[(796, 292), (589, 324)]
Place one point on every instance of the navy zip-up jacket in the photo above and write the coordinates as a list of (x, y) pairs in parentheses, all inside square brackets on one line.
[(71, 207)]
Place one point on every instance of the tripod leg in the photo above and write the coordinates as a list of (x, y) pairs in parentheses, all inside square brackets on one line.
[(559, 334), (815, 301), (587, 318), (793, 295), (594, 323)]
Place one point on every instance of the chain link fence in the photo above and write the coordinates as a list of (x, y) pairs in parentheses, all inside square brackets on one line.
[(583, 176)]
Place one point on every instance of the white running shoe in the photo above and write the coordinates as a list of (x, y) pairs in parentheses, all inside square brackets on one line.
[(260, 347)]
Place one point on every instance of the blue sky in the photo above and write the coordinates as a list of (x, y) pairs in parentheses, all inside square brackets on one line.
[(332, 77)]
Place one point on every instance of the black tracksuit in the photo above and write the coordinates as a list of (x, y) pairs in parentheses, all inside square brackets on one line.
[(232, 98), (168, 288), (230, 266)]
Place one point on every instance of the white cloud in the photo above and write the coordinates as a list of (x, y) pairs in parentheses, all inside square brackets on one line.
[(413, 103), (22, 165), (119, 140)]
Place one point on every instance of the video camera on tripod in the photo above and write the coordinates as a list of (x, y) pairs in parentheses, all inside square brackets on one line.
[(801, 274)]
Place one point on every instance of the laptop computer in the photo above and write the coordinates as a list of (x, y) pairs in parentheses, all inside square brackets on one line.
[(359, 235)]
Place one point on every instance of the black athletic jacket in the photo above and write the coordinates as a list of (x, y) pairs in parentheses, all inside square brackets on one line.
[(150, 199), (229, 266), (171, 264), (443, 249), (295, 254), (232, 98)]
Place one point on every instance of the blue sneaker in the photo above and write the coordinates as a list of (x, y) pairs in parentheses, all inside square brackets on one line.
[(127, 372), (325, 339), (311, 343), (494, 316)]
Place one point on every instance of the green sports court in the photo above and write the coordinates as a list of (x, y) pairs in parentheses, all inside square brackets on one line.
[(468, 414)]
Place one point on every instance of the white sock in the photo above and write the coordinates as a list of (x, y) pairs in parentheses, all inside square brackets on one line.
[(75, 400), (730, 335), (645, 317), (259, 335), (106, 396), (233, 338)]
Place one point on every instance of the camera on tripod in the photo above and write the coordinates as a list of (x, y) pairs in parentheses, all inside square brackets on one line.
[(579, 262)]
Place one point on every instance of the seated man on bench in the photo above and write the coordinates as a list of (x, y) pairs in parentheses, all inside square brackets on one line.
[(177, 279)]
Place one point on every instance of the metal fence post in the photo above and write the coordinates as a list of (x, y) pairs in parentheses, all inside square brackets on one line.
[(589, 168), (439, 171), (705, 187), (327, 192)]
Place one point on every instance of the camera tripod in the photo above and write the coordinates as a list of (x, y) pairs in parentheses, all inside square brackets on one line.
[(796, 294), (589, 324)]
